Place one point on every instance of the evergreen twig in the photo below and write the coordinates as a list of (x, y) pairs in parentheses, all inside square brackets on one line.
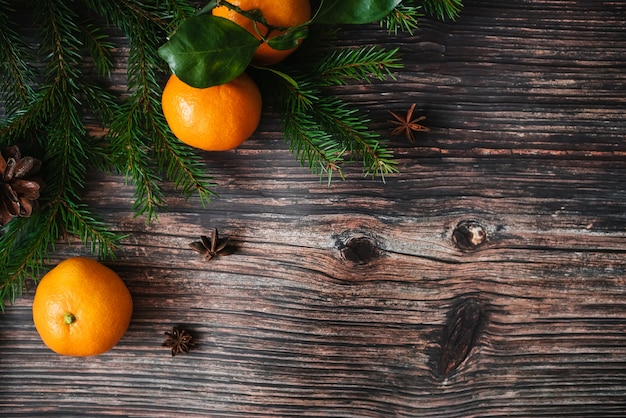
[(320, 128), (15, 83), (51, 120), (404, 18), (45, 109), (360, 64), (440, 9), (139, 134), (56, 110)]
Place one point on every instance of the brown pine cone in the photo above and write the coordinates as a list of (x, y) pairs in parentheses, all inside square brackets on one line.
[(19, 188)]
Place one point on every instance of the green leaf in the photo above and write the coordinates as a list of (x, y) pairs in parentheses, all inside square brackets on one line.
[(354, 11), (289, 39), (208, 50)]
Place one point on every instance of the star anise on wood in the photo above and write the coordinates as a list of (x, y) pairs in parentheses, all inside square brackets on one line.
[(19, 188), (407, 125), (212, 246), (178, 340)]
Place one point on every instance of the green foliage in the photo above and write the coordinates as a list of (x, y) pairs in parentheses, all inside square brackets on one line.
[(208, 50), (353, 11), (205, 50), (441, 9), (323, 131), (331, 132), (15, 85), (46, 106), (356, 64), (402, 19), (289, 39), (46, 113)]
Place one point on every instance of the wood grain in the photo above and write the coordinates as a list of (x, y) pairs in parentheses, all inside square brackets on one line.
[(337, 299)]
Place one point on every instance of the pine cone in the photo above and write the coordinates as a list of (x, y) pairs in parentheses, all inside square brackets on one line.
[(19, 189)]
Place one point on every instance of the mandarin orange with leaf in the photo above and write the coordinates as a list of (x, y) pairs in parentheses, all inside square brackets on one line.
[(277, 13), (81, 308)]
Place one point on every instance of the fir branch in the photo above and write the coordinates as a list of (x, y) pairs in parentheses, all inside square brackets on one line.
[(131, 156), (145, 26), (64, 143), (23, 247), (181, 163), (360, 64), (321, 129), (295, 98), (403, 18), (130, 141), (58, 111), (80, 222), (15, 75), (324, 132), (441, 9), (313, 145), (99, 48), (351, 130)]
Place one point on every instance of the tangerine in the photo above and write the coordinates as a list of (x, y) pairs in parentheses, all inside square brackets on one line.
[(283, 14), (81, 308), (216, 118)]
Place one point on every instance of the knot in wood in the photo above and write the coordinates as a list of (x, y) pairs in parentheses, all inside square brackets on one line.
[(469, 235), (358, 249), (459, 335)]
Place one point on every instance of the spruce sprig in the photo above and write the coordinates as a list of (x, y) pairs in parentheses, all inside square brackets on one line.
[(403, 19), (312, 144), (351, 131), (139, 134), (359, 64), (440, 9), (51, 119), (46, 109), (15, 55), (321, 129)]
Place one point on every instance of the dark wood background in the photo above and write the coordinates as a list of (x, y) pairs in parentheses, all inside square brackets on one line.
[(366, 299)]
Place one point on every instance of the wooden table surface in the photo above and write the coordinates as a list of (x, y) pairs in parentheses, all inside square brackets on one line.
[(370, 299)]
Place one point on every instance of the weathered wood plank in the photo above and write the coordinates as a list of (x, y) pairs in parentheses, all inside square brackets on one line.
[(339, 300)]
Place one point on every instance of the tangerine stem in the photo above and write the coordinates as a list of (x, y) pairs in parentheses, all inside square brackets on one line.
[(68, 318)]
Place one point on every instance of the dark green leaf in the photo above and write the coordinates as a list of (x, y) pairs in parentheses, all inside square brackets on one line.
[(208, 50), (354, 11), (289, 39)]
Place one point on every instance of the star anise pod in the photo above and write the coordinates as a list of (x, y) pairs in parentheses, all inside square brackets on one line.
[(178, 340), (19, 188), (212, 246), (407, 125)]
